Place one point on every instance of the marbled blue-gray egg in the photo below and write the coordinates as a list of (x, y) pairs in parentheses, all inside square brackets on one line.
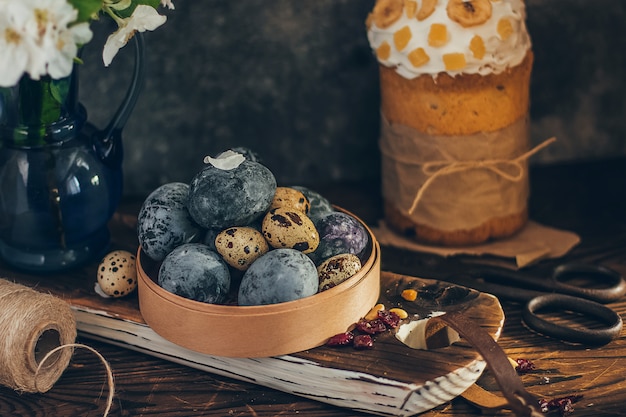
[(195, 272), (164, 222), (224, 198), (278, 276), (209, 238), (339, 233), (319, 205)]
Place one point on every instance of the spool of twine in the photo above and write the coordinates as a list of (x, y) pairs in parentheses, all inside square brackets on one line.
[(37, 334), (32, 325)]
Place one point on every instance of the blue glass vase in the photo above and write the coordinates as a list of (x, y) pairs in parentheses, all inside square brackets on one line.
[(60, 177)]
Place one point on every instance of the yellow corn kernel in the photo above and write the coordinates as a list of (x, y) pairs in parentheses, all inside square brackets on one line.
[(454, 61), (505, 28), (402, 37), (438, 35), (373, 313), (400, 312), (409, 294), (477, 46), (418, 57), (383, 52)]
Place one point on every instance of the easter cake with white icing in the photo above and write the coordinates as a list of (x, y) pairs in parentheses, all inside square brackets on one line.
[(454, 83)]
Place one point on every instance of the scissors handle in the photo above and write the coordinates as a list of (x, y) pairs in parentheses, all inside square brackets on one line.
[(586, 336), (615, 289), (529, 285)]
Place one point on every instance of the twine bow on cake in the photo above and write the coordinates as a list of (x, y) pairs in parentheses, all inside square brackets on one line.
[(436, 169)]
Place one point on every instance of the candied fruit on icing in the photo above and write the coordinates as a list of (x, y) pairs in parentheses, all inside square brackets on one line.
[(428, 7), (454, 61), (418, 57), (505, 28), (438, 35), (469, 13), (477, 46), (383, 51), (402, 37), (387, 12), (410, 8)]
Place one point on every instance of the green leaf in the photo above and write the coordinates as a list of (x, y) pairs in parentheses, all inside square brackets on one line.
[(121, 5), (51, 99), (129, 11), (86, 9), (59, 89)]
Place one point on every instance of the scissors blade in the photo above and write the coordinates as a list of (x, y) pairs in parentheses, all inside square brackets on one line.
[(504, 292), (512, 278)]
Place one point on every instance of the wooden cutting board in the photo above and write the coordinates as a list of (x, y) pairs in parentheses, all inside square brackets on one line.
[(388, 379)]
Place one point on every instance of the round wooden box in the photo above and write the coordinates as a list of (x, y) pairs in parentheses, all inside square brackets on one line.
[(258, 331)]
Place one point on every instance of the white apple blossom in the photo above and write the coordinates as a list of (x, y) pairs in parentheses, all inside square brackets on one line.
[(59, 37), (168, 3), (13, 44), (37, 38), (42, 37), (143, 18)]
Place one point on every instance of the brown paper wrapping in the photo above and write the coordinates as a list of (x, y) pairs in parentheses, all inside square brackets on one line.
[(530, 245), (455, 182)]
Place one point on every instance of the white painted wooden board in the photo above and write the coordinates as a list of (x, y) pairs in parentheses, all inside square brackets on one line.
[(389, 379)]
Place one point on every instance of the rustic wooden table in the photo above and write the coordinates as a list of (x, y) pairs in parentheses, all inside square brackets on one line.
[(589, 199)]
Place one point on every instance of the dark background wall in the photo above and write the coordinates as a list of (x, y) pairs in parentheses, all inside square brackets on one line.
[(296, 82)]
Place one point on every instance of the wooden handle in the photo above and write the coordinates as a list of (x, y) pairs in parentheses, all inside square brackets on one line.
[(521, 402)]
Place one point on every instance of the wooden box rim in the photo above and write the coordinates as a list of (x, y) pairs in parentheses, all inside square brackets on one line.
[(260, 331)]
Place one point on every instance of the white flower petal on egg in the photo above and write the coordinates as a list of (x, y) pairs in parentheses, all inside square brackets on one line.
[(226, 160)]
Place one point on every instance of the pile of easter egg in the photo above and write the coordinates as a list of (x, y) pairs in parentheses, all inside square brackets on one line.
[(232, 236)]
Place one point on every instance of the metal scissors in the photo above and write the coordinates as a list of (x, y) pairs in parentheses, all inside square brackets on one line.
[(557, 293)]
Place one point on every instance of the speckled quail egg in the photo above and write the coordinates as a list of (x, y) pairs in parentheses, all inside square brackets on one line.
[(240, 246), (117, 275), (335, 270), (290, 198), (286, 228)]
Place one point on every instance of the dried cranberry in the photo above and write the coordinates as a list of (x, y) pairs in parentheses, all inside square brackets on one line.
[(371, 326), (341, 339), (563, 405), (524, 366), (390, 318), (363, 341)]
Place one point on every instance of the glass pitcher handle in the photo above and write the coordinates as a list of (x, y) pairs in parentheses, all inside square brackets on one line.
[(108, 141)]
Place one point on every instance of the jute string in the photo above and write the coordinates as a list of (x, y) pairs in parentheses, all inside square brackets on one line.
[(37, 340), (434, 169)]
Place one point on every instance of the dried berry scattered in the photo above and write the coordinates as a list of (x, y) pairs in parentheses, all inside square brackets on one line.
[(363, 341), (371, 326), (390, 318), (524, 366), (365, 328), (341, 339), (564, 405)]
